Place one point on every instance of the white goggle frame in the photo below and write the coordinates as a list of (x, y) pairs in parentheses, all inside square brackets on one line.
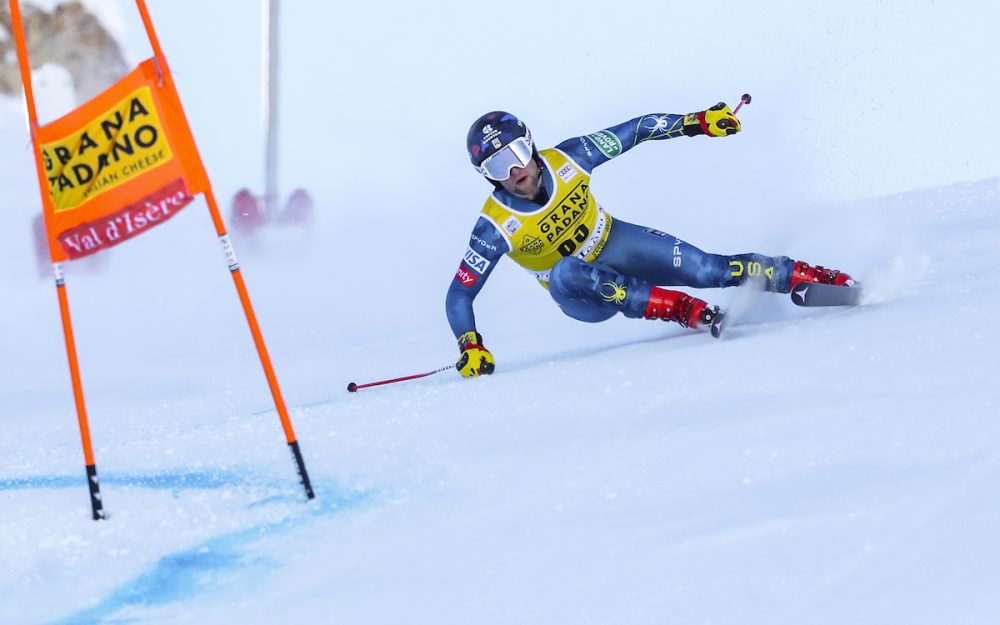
[(517, 153)]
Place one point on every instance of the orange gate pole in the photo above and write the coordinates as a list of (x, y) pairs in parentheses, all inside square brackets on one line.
[(234, 269), (96, 505)]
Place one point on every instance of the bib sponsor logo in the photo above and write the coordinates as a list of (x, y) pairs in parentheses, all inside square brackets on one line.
[(563, 217), (467, 278), (512, 225), (531, 245), (607, 142), (566, 172), (478, 263), (592, 247)]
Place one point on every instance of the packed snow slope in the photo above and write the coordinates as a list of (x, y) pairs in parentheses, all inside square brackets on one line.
[(827, 466), (819, 466)]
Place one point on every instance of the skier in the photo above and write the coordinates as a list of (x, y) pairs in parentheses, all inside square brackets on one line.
[(543, 215)]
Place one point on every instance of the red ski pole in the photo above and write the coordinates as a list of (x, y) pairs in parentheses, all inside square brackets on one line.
[(353, 388)]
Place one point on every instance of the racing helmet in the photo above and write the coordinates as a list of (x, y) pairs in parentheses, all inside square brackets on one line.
[(497, 142)]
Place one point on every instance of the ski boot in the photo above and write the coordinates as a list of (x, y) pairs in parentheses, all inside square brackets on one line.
[(803, 272), (689, 312)]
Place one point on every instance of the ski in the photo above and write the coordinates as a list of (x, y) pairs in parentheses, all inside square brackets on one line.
[(813, 294), (718, 324)]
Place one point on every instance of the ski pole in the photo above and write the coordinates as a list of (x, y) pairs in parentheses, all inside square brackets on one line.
[(743, 100), (353, 388)]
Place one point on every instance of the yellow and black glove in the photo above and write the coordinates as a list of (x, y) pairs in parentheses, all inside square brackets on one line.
[(717, 121), (476, 359)]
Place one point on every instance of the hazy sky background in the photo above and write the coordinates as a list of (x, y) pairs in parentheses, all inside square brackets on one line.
[(853, 99)]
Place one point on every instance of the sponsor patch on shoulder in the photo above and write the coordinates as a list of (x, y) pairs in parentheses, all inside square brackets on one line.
[(656, 233)]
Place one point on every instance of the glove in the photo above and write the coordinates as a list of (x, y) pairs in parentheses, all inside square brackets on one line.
[(717, 121), (476, 359)]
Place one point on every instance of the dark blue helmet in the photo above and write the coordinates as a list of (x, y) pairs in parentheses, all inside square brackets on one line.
[(498, 141)]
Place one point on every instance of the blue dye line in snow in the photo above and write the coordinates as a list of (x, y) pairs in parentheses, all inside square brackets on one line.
[(171, 480), (223, 562)]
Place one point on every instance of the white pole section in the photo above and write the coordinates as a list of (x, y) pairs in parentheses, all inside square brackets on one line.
[(270, 106)]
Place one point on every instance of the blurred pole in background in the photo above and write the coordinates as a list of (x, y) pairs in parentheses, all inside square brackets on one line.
[(250, 211), (269, 96)]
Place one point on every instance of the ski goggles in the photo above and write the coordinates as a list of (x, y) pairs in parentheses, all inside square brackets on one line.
[(517, 153)]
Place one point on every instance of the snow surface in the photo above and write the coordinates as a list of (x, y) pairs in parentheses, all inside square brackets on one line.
[(814, 466)]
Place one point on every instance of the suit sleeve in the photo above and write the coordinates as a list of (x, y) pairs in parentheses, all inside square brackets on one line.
[(600, 147), (486, 247)]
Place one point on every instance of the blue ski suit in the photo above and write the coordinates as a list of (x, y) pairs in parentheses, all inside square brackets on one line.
[(593, 265)]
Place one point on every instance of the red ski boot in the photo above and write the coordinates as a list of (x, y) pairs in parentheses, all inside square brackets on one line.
[(681, 308), (803, 272)]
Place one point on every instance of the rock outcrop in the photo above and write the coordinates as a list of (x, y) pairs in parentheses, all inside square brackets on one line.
[(70, 36)]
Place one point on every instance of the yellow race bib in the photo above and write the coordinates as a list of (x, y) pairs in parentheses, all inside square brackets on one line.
[(569, 224)]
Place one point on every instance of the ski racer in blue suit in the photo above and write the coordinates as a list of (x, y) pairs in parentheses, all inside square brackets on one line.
[(543, 215)]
